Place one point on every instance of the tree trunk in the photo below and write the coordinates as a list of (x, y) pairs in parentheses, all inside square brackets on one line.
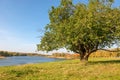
[(84, 56)]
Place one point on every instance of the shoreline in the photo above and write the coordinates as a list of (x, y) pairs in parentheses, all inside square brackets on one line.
[(59, 57), (2, 57)]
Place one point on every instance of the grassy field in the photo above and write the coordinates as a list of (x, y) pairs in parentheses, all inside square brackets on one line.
[(96, 69)]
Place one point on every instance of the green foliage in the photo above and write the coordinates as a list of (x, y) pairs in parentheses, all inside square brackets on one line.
[(82, 28)]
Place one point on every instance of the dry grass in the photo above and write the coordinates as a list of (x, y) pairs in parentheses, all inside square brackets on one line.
[(96, 69)]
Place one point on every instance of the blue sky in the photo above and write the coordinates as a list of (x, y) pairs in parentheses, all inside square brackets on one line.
[(22, 21)]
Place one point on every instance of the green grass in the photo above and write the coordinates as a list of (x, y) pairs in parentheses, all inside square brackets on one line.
[(96, 69)]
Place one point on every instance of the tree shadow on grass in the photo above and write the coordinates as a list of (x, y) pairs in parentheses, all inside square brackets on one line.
[(105, 62)]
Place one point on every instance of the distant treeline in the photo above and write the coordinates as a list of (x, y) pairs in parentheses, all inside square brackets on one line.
[(99, 53), (7, 54)]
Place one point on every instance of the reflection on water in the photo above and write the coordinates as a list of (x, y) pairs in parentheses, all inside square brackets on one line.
[(17, 60)]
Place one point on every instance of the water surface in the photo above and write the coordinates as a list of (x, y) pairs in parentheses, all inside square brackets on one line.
[(18, 60)]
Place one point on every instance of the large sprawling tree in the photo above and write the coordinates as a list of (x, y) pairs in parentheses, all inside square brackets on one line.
[(82, 28)]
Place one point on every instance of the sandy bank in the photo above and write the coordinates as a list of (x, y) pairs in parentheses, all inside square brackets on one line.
[(59, 57), (1, 57)]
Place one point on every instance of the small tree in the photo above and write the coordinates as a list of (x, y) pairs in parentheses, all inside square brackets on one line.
[(82, 28)]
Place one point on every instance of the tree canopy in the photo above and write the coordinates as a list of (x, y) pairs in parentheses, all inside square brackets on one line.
[(82, 28)]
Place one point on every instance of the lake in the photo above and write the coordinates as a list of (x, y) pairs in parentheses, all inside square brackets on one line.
[(18, 60)]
